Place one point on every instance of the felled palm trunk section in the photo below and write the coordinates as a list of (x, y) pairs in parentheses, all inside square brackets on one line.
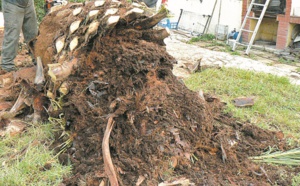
[(157, 35), (86, 21), (152, 21), (66, 37), (68, 34), (74, 27)]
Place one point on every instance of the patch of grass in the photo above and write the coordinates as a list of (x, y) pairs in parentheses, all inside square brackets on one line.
[(235, 53), (285, 61), (298, 69), (276, 100), (204, 37), (252, 56), (296, 180), (220, 44), (215, 43), (24, 156), (228, 49)]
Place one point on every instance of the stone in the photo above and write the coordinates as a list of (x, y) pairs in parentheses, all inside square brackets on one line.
[(295, 75)]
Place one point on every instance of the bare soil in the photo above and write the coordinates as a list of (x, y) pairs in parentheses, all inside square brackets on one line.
[(162, 131)]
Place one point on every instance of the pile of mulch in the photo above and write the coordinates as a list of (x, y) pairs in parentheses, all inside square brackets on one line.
[(162, 132)]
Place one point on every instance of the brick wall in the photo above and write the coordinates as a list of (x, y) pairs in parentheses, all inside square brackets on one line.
[(245, 35), (283, 27), (284, 22)]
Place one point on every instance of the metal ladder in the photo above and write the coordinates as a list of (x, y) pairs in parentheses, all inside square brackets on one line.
[(260, 18)]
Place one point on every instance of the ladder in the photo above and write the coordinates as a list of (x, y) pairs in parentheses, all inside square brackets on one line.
[(259, 20)]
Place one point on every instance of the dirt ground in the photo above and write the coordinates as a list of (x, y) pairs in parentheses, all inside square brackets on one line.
[(161, 131)]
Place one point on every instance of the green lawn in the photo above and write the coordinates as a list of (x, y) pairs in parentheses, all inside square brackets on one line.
[(277, 102), (26, 159)]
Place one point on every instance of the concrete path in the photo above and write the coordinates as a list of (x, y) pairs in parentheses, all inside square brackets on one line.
[(188, 53)]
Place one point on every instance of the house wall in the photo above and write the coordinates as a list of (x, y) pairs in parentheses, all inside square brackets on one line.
[(295, 10), (231, 11), (286, 22), (267, 30), (245, 35), (227, 12)]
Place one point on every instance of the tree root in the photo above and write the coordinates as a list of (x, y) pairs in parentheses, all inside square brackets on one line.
[(108, 164)]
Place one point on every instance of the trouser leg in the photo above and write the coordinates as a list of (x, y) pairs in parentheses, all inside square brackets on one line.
[(13, 19), (30, 27)]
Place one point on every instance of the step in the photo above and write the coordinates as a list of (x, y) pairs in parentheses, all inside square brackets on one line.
[(249, 17), (258, 4), (251, 31)]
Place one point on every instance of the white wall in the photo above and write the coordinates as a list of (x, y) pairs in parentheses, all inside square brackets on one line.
[(227, 12), (295, 11), (231, 13)]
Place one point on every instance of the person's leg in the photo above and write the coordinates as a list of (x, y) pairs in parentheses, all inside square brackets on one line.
[(30, 27), (13, 19)]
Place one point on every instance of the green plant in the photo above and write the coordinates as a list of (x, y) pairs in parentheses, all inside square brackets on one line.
[(290, 157), (40, 9), (208, 37)]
